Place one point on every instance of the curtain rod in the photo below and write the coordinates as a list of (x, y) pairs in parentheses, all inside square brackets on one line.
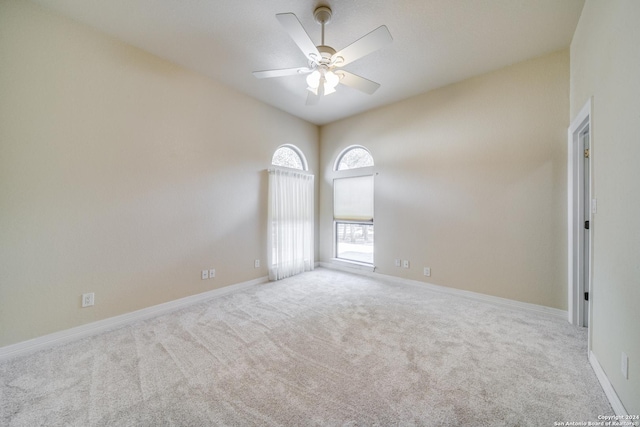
[(284, 169)]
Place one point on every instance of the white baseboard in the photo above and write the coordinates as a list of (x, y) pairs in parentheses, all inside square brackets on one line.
[(614, 400), (453, 291), (104, 325), (350, 268)]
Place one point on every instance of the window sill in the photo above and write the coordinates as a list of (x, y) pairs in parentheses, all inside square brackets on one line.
[(353, 264)]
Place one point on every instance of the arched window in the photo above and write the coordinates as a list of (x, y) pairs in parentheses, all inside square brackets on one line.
[(353, 206), (289, 156), (290, 214), (354, 157)]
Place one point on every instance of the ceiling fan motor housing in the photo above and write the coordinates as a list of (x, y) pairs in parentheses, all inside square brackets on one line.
[(326, 52)]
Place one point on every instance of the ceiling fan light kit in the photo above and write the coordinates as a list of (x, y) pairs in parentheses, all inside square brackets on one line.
[(322, 79), (324, 61)]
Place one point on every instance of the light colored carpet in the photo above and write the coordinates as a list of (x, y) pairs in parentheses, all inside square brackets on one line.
[(322, 348)]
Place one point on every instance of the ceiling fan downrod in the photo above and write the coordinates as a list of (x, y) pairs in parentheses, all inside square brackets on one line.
[(322, 15)]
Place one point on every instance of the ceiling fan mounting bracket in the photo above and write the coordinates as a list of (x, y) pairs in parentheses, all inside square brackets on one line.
[(322, 15)]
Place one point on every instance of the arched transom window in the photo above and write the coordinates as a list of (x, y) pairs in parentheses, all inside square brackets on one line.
[(354, 157), (289, 156)]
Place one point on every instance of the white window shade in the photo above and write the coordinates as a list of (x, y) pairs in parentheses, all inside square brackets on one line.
[(353, 198)]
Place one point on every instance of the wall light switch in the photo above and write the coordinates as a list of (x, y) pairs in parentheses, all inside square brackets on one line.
[(205, 274), (405, 263), (397, 263), (212, 273)]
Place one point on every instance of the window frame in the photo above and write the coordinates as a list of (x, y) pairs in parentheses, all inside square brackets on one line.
[(297, 151), (353, 173), (344, 152), (335, 243)]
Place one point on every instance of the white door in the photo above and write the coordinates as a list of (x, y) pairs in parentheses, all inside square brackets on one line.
[(586, 209)]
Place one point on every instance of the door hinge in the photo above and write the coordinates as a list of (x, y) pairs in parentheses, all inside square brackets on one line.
[(586, 296), (586, 153), (586, 225)]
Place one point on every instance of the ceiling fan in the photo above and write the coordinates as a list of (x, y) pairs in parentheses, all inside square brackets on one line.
[(325, 63)]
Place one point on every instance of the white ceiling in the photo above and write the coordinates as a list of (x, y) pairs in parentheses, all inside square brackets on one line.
[(436, 42)]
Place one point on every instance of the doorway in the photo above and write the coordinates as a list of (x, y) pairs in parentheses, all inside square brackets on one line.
[(586, 229), (580, 207)]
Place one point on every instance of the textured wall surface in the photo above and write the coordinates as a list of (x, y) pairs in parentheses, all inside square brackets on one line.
[(472, 182), (122, 174)]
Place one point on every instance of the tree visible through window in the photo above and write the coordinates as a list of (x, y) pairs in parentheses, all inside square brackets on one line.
[(289, 157), (354, 157), (354, 242)]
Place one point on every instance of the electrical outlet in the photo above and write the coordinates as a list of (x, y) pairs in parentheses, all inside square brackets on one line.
[(397, 263), (88, 299), (405, 263), (427, 271), (205, 274), (212, 273), (256, 263), (624, 365)]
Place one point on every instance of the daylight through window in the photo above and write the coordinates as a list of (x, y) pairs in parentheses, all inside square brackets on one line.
[(289, 156), (354, 157)]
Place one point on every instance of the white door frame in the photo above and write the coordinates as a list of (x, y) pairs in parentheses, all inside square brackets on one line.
[(576, 216)]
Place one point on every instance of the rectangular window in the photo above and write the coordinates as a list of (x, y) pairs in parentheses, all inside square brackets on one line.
[(353, 218), (354, 241)]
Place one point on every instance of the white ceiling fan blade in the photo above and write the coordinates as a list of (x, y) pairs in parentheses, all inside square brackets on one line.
[(297, 32), (363, 46), (281, 73), (357, 82)]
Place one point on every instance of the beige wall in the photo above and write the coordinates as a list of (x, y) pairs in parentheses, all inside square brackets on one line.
[(121, 174), (605, 65), (472, 182)]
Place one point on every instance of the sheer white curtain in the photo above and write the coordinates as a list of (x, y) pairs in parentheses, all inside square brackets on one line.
[(290, 229)]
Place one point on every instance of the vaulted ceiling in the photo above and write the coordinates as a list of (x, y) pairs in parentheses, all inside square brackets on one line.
[(435, 42)]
